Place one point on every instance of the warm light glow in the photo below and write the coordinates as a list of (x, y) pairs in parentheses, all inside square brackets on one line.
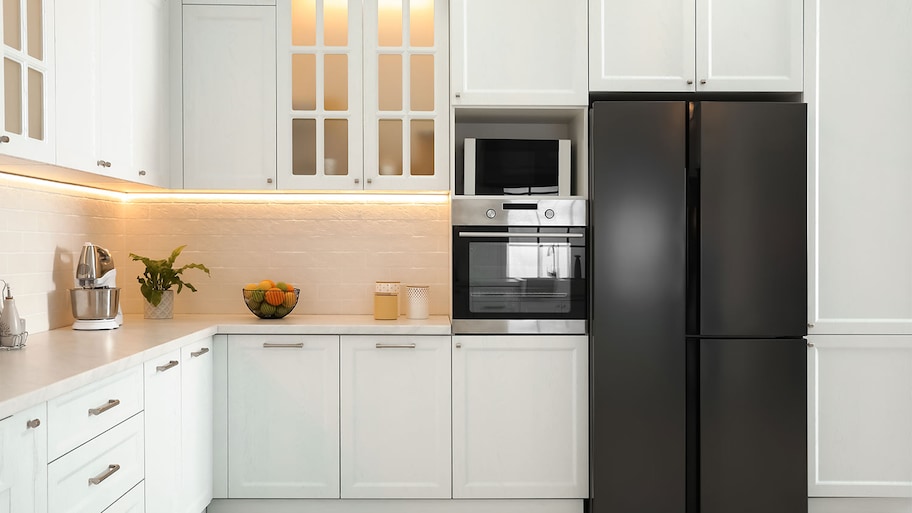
[(417, 197)]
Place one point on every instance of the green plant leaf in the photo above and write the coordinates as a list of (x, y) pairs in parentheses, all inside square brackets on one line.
[(160, 275)]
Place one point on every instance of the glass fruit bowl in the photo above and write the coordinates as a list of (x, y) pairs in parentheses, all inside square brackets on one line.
[(272, 303)]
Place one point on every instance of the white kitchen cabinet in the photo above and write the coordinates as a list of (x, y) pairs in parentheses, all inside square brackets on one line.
[(196, 426), (395, 417), (859, 241), (111, 88), (162, 398), (229, 96), (362, 95), (696, 45), (519, 53), (27, 80), (23, 461), (520, 417), (131, 502), (283, 416), (860, 416)]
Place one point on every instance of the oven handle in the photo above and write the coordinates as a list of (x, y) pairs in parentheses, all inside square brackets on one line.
[(502, 235)]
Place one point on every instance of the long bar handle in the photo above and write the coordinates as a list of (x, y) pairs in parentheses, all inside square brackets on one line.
[(201, 352), (170, 365), (104, 475), (501, 235), (395, 346), (270, 345), (104, 407)]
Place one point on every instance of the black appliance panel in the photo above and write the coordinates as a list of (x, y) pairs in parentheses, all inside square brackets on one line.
[(753, 425), (519, 272), (752, 219), (637, 228), (519, 165)]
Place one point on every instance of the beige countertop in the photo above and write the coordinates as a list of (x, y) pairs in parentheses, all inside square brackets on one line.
[(58, 361)]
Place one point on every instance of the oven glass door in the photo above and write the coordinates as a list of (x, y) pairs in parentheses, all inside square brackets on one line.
[(519, 272)]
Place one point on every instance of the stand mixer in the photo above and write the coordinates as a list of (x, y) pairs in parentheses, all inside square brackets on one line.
[(96, 300)]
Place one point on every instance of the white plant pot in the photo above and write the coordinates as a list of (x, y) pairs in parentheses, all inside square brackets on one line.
[(164, 310)]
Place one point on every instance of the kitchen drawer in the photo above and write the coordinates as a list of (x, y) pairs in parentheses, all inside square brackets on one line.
[(132, 502), (113, 461), (88, 411)]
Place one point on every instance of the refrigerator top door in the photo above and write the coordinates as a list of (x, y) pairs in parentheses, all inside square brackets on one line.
[(752, 219)]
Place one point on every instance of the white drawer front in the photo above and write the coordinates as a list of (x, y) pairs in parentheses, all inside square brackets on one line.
[(86, 412), (132, 502), (113, 460)]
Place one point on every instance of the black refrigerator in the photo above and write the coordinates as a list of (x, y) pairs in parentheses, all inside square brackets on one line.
[(698, 312)]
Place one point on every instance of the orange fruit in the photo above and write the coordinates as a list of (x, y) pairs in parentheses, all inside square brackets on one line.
[(250, 286), (275, 297), (289, 300), (290, 288)]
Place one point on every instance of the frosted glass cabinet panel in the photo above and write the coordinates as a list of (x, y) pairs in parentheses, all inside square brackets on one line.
[(27, 79), (361, 101)]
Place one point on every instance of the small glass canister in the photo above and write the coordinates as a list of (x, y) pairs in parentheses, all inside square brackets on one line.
[(418, 297)]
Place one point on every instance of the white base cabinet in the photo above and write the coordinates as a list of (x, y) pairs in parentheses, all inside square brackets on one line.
[(283, 416), (520, 417), (23, 461), (395, 401), (860, 416), (196, 401), (162, 380)]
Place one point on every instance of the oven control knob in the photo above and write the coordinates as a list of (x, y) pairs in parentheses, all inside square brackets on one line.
[(491, 213), (549, 214)]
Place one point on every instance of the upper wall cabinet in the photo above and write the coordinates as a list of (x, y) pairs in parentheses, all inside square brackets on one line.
[(27, 79), (519, 52), (229, 96), (361, 95), (111, 88), (696, 45)]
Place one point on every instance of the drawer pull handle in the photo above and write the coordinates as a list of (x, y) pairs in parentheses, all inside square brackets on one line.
[(270, 345), (105, 407), (201, 352), (104, 475), (170, 365), (395, 346), (32, 424)]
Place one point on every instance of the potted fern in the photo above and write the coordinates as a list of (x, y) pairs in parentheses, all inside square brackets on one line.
[(157, 280)]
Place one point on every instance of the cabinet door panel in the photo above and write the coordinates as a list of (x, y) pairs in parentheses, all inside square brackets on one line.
[(283, 416), (520, 417), (196, 426), (162, 403), (77, 81), (229, 97), (519, 52), (395, 417), (647, 45), (23, 461), (860, 416), (750, 45)]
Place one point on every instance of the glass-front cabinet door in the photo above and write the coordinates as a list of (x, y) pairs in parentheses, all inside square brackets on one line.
[(26, 79), (319, 88), (360, 101), (405, 101)]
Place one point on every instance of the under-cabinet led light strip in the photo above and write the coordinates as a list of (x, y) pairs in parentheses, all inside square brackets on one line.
[(426, 197)]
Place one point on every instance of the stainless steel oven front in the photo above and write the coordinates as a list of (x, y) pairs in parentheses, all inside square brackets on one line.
[(519, 265)]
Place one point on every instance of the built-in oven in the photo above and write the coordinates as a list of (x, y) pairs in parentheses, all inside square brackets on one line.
[(519, 266)]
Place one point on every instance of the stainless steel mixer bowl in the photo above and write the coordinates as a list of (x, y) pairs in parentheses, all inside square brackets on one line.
[(94, 304)]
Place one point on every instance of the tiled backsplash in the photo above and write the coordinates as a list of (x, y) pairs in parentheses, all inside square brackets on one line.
[(333, 249)]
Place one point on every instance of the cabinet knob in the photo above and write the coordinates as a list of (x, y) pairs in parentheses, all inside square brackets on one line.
[(702, 81), (690, 81), (458, 345), (32, 424), (458, 95), (357, 180), (101, 163), (810, 325), (4, 138), (269, 180), (142, 172), (810, 344), (370, 181)]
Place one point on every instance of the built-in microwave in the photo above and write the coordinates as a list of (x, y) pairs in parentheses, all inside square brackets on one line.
[(507, 167)]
